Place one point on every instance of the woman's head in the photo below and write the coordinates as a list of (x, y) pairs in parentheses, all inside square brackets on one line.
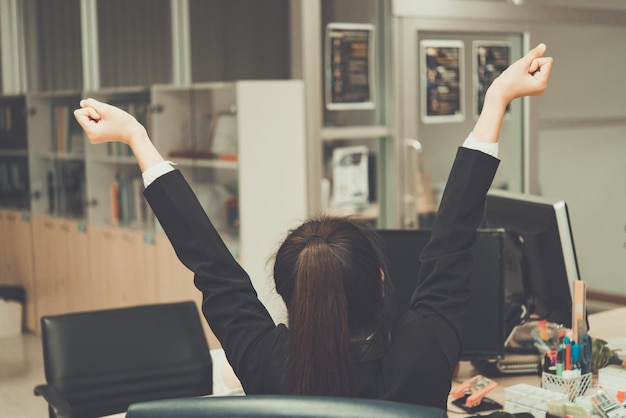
[(346, 252), (329, 272)]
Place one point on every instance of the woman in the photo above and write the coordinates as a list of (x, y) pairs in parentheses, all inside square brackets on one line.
[(342, 338)]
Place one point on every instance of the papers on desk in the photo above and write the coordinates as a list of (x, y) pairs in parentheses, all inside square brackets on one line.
[(528, 398), (612, 378)]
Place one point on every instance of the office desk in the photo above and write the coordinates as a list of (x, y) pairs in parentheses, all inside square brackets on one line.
[(607, 324)]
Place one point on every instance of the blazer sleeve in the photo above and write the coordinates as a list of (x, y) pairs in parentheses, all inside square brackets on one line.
[(230, 303), (443, 288)]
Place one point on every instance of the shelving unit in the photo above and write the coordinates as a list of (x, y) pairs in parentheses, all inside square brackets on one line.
[(368, 210), (356, 124), (241, 146), (193, 126), (114, 184), (349, 132), (14, 183), (377, 139), (98, 245), (56, 152)]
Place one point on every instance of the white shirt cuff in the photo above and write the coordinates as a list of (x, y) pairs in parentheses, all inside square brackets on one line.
[(156, 171), (490, 148)]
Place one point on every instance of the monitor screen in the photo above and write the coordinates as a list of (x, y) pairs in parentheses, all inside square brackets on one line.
[(484, 332), (539, 228)]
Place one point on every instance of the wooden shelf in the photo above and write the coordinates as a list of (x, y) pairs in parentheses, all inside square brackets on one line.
[(355, 132)]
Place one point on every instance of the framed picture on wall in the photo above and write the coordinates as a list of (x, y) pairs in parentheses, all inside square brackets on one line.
[(442, 84), (349, 66), (491, 58)]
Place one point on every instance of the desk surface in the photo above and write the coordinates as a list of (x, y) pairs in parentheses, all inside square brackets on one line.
[(466, 371), (607, 324)]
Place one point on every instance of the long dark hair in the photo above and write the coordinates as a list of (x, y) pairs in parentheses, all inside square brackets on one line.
[(328, 272)]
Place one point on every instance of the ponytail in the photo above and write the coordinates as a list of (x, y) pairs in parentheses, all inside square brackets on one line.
[(320, 359)]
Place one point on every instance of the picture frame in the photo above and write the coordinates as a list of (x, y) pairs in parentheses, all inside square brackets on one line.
[(350, 66), (442, 89)]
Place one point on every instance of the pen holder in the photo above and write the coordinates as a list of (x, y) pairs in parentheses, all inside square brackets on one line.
[(572, 387)]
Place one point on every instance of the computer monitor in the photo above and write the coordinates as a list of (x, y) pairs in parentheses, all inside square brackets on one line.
[(484, 330), (539, 228)]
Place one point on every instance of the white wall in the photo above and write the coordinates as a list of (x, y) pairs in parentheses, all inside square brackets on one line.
[(582, 145), (578, 133)]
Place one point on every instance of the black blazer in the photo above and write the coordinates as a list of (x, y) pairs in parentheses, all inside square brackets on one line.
[(423, 351)]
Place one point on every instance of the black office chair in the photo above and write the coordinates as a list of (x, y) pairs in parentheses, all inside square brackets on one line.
[(98, 363), (280, 406)]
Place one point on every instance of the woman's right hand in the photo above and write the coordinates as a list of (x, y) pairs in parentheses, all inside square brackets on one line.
[(106, 123), (528, 76)]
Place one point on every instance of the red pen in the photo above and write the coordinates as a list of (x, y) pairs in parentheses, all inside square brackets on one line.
[(568, 356)]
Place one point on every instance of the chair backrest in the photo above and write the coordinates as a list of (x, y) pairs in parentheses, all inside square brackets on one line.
[(280, 406), (102, 361)]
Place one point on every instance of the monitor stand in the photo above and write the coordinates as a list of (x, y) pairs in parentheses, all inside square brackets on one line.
[(510, 364), (521, 356)]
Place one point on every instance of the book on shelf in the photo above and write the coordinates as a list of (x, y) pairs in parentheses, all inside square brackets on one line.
[(126, 212), (16, 176), (60, 118), (13, 123), (66, 190), (115, 203), (14, 183), (61, 194), (140, 206), (141, 112), (6, 118), (5, 180), (74, 190), (50, 186), (68, 135), (118, 149), (128, 207), (75, 137)]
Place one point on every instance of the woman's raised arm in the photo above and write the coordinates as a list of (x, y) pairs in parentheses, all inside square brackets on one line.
[(106, 123)]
